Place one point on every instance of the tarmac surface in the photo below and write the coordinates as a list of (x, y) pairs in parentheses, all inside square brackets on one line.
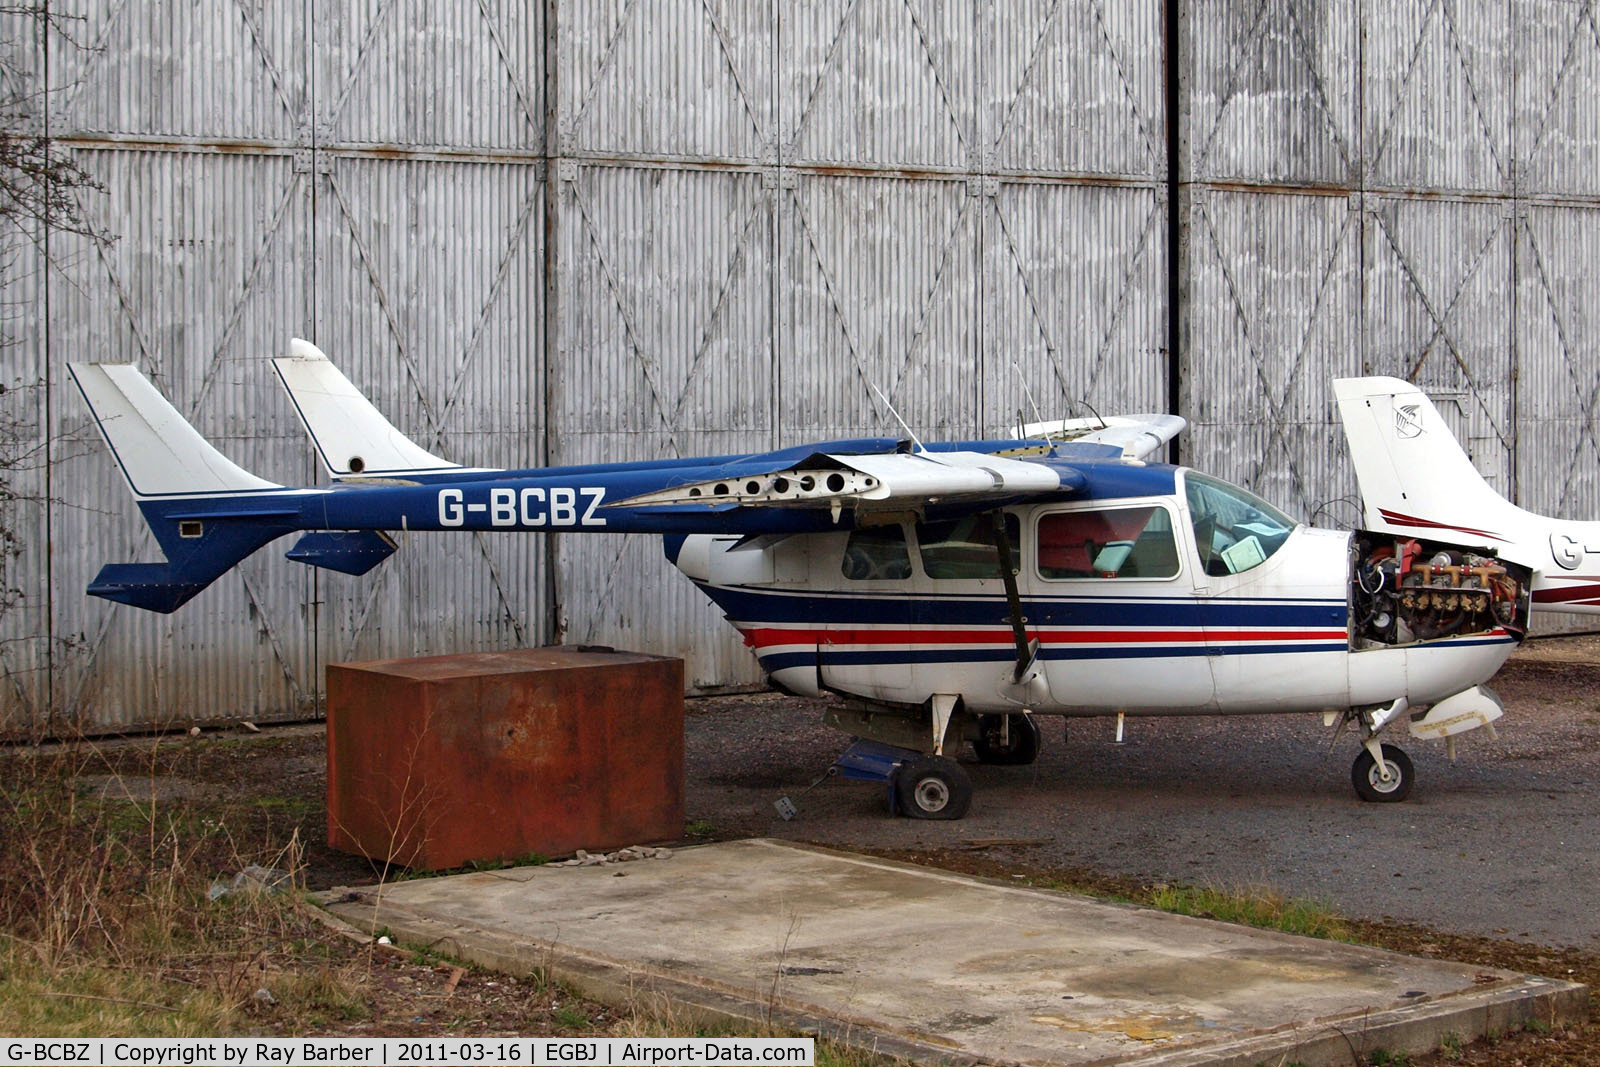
[(1497, 843), (944, 967)]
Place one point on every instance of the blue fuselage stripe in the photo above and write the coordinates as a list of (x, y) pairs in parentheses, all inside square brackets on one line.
[(746, 607)]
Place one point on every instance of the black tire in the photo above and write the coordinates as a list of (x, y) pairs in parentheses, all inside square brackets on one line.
[(1369, 787), (932, 787), (1022, 748)]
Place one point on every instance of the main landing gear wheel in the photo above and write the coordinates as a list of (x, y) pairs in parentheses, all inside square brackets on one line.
[(932, 787), (992, 745), (1370, 784)]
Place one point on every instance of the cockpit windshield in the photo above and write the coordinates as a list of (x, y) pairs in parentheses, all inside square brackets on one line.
[(1234, 529)]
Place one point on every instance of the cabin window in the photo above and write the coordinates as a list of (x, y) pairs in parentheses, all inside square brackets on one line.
[(1134, 542), (1234, 530), (876, 553), (965, 548)]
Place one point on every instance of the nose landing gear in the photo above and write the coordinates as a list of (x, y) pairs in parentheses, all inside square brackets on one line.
[(1389, 782)]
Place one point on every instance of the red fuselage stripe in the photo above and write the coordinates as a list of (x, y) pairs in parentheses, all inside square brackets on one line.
[(763, 637)]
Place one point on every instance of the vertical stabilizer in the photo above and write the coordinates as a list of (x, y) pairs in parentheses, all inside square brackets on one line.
[(351, 436), (161, 455), (1414, 475), (205, 511)]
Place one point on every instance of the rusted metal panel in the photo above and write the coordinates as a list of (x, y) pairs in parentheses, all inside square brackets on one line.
[(1272, 92), (494, 755), (1272, 315), (684, 79)]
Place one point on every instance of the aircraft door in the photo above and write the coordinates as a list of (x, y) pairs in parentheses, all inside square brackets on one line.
[(1275, 623), (1122, 621), (865, 643), (963, 640)]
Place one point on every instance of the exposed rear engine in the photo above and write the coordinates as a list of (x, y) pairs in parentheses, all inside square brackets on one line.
[(1406, 589)]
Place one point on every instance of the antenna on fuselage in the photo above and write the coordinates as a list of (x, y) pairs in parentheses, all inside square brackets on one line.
[(920, 447)]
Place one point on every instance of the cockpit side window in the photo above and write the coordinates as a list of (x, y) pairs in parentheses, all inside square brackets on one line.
[(876, 553), (965, 547), (1130, 542), (1234, 529)]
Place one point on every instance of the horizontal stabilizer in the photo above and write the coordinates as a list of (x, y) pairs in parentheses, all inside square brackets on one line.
[(351, 436), (144, 585), (161, 455), (345, 551)]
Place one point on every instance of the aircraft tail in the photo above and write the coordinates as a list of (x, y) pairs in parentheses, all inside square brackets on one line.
[(351, 436), (1414, 476), (206, 512)]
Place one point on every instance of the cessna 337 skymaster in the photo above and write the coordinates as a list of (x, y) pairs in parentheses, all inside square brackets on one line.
[(1415, 478), (948, 590)]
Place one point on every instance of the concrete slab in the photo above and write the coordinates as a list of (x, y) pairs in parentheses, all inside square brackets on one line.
[(944, 967)]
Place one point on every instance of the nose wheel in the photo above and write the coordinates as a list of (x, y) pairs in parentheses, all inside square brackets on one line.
[(1388, 785)]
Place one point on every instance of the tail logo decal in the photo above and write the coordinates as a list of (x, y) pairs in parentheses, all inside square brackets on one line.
[(1407, 422)]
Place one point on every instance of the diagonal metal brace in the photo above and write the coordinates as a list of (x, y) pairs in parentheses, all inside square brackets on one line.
[(1025, 650)]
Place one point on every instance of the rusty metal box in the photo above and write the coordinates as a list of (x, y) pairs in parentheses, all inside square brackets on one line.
[(438, 761)]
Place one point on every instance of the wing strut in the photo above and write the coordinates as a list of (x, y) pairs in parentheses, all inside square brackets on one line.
[(1026, 650)]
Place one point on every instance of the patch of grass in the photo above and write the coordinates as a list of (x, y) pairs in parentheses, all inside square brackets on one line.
[(1384, 1058), (83, 998), (315, 997), (1450, 1046), (105, 922), (1264, 908), (293, 807), (699, 830), (571, 1019)]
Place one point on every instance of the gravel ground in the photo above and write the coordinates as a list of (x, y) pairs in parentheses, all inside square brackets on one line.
[(1496, 843)]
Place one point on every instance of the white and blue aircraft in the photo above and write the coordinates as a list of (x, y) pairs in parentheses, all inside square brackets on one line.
[(950, 592)]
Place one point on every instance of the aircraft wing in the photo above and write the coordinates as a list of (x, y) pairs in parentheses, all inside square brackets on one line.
[(1138, 436), (889, 481)]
